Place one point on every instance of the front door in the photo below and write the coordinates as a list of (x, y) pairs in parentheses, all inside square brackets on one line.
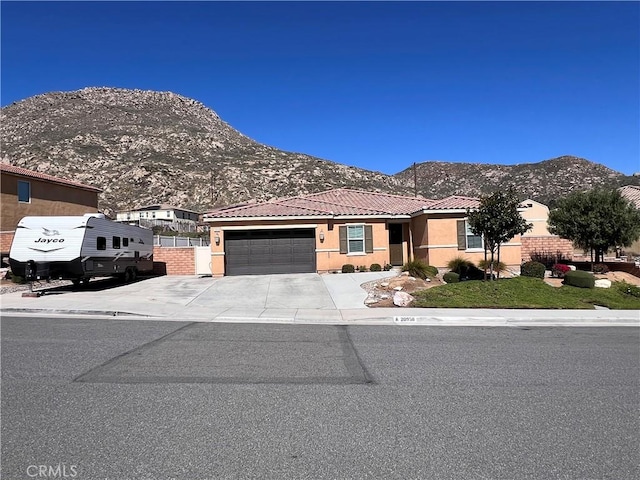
[(395, 244)]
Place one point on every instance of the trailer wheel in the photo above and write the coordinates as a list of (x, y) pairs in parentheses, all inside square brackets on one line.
[(81, 281), (134, 274), (127, 275)]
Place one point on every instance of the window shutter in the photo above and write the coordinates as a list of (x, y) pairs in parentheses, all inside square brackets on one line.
[(462, 235), (368, 239), (343, 239)]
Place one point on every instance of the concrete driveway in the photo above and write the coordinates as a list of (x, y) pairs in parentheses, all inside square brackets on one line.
[(249, 296)]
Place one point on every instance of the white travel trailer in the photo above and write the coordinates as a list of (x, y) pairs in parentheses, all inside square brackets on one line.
[(79, 248)]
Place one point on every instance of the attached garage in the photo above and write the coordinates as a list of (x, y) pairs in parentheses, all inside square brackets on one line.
[(261, 252)]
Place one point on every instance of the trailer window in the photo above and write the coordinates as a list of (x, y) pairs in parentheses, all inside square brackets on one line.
[(125, 242), (115, 242), (102, 243)]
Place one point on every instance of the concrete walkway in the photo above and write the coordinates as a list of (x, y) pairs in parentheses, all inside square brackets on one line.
[(299, 298)]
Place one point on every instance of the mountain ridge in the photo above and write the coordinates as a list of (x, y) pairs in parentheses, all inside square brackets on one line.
[(144, 147)]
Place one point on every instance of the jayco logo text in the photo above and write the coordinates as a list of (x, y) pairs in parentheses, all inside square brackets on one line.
[(49, 240)]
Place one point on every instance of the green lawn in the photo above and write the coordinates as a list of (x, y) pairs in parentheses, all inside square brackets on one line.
[(524, 292)]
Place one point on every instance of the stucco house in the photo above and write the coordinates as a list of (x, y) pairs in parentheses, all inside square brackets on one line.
[(321, 232), (27, 192), (632, 193), (167, 216), (539, 239)]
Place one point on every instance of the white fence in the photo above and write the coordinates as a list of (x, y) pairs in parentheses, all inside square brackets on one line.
[(171, 241)]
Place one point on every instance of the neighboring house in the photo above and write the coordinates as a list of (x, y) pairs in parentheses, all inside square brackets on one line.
[(632, 193), (28, 193), (166, 216), (321, 232), (538, 239)]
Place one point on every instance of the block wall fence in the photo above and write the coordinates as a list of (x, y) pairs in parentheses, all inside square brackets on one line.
[(174, 260), (545, 243)]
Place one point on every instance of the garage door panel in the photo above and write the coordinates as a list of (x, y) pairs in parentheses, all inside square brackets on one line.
[(264, 252)]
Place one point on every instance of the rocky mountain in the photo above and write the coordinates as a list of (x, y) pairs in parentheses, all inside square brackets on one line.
[(145, 147), (545, 181)]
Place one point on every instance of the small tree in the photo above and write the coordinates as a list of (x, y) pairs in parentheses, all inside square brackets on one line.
[(595, 221), (497, 219)]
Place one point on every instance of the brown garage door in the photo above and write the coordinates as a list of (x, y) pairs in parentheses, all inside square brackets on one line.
[(261, 252)]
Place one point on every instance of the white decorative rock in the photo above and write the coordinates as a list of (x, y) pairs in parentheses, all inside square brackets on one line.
[(402, 299), (384, 284), (603, 283), (572, 267), (370, 301), (398, 288)]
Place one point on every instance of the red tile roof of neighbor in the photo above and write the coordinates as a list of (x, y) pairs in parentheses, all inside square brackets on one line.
[(341, 202), (6, 168), (631, 193), (455, 202)]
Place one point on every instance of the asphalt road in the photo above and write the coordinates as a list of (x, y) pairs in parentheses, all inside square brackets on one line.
[(114, 399)]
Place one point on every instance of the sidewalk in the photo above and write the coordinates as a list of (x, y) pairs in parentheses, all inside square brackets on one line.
[(304, 298)]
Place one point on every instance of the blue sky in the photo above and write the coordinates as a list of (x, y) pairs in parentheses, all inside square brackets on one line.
[(378, 85)]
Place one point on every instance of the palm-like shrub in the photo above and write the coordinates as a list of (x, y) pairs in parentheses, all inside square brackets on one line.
[(420, 269), (497, 266), (465, 269)]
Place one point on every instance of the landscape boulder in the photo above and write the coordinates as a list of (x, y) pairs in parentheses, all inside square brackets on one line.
[(402, 299), (603, 283)]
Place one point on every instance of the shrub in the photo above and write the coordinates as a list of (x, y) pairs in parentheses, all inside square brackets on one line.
[(627, 289), (375, 267), (387, 267), (578, 278), (532, 269), (348, 268), (17, 279), (559, 270), (419, 269), (600, 268), (451, 277), (459, 265), (362, 268), (547, 258), (465, 269), (497, 266)]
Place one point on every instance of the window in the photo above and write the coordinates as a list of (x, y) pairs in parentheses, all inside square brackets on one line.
[(24, 192), (466, 239), (101, 243), (355, 238), (473, 241), (125, 242), (115, 242)]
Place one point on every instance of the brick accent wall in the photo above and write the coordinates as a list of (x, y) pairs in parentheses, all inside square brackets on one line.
[(174, 260), (5, 242), (545, 243)]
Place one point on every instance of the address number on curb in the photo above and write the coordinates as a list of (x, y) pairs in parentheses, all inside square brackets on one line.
[(403, 320)]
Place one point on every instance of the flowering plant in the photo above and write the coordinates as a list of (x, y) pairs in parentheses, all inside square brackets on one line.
[(559, 269)]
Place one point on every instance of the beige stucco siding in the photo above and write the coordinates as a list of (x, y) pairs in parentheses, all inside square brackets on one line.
[(46, 199), (538, 215), (328, 256), (439, 242)]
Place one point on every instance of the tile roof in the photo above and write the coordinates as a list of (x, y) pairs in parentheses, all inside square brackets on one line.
[(341, 201), (455, 202), (631, 193), (6, 168)]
